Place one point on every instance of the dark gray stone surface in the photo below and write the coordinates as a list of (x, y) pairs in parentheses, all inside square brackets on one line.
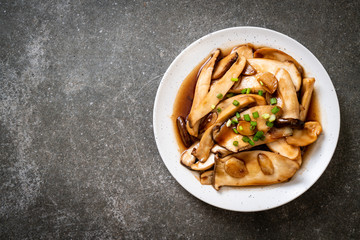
[(77, 152)]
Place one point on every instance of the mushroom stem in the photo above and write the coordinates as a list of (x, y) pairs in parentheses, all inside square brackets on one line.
[(306, 94)]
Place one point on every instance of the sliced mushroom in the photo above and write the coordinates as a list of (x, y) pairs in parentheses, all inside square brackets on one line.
[(202, 89), (220, 87), (225, 137), (289, 122), (206, 177), (306, 93), (275, 54), (305, 136), (244, 128), (274, 168), (259, 100), (223, 65), (272, 66), (187, 159), (268, 81), (184, 135), (287, 92), (222, 152), (283, 148), (208, 121), (265, 164), (248, 70), (206, 143), (235, 168), (244, 50), (209, 163), (245, 83)]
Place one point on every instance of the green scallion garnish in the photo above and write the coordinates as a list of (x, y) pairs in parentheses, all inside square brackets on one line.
[(235, 143), (213, 106), (245, 139), (235, 131), (247, 117), (241, 128), (275, 110), (228, 123), (255, 114), (260, 92), (236, 103), (251, 142), (229, 95), (265, 116), (219, 96), (218, 109), (253, 123), (237, 115), (273, 101), (243, 91), (262, 84), (272, 118), (234, 79), (269, 124), (248, 90)]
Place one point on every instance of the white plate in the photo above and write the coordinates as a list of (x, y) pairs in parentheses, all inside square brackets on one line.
[(246, 199)]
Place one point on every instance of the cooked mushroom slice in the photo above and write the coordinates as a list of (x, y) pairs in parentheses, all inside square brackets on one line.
[(245, 83), (187, 159), (202, 89), (305, 136), (279, 170), (222, 152), (212, 98), (244, 128), (223, 65), (206, 143), (209, 163), (244, 50), (306, 93), (262, 111), (272, 66), (265, 164), (287, 92), (225, 137), (268, 81), (184, 135), (275, 54), (207, 121), (283, 148), (259, 100), (235, 168), (248, 70), (289, 122), (206, 177)]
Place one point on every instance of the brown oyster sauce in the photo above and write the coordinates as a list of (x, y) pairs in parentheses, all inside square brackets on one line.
[(185, 97)]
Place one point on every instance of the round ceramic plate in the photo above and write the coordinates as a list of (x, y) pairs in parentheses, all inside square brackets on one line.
[(246, 199)]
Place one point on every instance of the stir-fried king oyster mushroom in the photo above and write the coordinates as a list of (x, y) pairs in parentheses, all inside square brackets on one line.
[(220, 88), (275, 54), (306, 93), (241, 102), (202, 89), (252, 168), (305, 136), (206, 143), (272, 66), (288, 95)]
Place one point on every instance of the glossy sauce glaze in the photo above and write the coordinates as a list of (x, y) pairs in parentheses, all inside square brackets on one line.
[(185, 95)]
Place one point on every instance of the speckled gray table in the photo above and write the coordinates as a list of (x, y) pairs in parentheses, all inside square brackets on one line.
[(77, 152)]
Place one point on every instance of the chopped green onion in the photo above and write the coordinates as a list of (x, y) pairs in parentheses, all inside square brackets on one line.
[(272, 118), (259, 134), (234, 79), (248, 90), (245, 139), (235, 143), (219, 96), (237, 114), (269, 124), (255, 138), (252, 128), (273, 101), (236, 103), (229, 95), (263, 138), (251, 142), (275, 110), (253, 123), (255, 114), (234, 120), (228, 123), (260, 92), (218, 109), (235, 131), (213, 106), (247, 117), (265, 116), (241, 128), (262, 84), (243, 91)]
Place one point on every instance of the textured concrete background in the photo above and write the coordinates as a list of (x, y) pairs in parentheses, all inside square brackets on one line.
[(78, 156)]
